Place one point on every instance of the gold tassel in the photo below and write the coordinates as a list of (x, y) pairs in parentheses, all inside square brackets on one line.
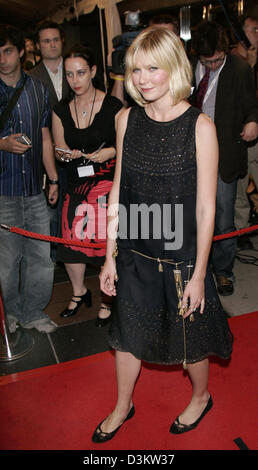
[(160, 266), (114, 255), (179, 289), (181, 310), (178, 281), (115, 252)]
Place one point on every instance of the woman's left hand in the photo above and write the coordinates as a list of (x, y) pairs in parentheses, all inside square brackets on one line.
[(102, 156), (194, 293)]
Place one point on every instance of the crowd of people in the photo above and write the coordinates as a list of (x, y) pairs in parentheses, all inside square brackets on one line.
[(186, 140)]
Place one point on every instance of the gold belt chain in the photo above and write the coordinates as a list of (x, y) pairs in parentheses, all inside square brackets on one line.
[(160, 261)]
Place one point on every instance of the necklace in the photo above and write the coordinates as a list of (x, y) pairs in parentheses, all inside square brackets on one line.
[(84, 113)]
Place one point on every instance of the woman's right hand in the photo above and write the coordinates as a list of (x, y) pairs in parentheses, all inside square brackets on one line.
[(67, 156), (107, 278)]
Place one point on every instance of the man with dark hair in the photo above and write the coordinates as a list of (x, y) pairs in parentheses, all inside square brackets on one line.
[(49, 41), (250, 28), (226, 93), (166, 21), (242, 206), (48, 24), (26, 270), (12, 35)]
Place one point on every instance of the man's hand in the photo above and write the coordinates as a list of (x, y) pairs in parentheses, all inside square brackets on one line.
[(53, 194), (10, 144), (250, 131)]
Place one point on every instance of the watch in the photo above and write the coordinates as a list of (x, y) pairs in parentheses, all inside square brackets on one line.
[(53, 181)]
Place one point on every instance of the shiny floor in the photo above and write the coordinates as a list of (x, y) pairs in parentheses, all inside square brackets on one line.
[(78, 336)]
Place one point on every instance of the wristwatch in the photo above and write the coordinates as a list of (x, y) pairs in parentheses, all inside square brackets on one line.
[(53, 181)]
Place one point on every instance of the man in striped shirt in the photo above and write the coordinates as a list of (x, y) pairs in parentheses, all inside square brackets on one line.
[(26, 270)]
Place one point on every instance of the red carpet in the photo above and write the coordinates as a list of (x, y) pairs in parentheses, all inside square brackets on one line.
[(58, 407)]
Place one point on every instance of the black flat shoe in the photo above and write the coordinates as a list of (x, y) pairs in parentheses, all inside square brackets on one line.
[(179, 428), (100, 322), (100, 436), (85, 298)]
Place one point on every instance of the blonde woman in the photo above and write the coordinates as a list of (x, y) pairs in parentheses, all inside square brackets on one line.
[(166, 306)]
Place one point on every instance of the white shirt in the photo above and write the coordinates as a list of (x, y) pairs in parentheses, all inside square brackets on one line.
[(210, 96), (57, 78)]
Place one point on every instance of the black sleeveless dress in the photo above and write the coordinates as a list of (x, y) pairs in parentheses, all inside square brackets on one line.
[(157, 234), (85, 199)]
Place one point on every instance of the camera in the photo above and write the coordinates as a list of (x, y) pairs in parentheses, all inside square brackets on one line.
[(123, 41), (24, 139)]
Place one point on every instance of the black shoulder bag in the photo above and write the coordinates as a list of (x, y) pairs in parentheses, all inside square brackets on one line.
[(7, 112)]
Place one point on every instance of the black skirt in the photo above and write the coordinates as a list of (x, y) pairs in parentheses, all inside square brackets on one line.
[(146, 322)]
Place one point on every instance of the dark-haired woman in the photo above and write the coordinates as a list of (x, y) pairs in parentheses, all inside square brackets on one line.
[(85, 124)]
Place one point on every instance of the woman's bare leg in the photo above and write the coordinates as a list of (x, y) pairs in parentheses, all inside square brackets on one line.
[(76, 273), (199, 375), (127, 371)]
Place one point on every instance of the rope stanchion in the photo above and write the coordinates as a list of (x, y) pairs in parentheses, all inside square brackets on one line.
[(13, 345), (16, 345), (84, 244)]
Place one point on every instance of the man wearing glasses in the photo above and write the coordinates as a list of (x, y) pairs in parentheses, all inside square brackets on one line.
[(225, 91), (250, 28)]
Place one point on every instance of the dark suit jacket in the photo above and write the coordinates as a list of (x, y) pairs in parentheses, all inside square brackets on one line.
[(236, 104), (41, 72)]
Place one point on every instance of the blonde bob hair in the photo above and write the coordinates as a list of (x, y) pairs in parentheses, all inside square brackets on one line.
[(166, 52)]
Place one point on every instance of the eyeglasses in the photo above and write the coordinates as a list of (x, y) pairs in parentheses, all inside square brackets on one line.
[(252, 30), (217, 61)]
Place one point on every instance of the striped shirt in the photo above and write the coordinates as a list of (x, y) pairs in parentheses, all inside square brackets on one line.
[(22, 175)]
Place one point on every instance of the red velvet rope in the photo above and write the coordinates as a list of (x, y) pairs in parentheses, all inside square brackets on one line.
[(63, 241), (38, 236), (236, 233), (48, 238)]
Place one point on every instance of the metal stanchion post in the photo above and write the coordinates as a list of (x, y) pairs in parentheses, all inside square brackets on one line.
[(13, 345)]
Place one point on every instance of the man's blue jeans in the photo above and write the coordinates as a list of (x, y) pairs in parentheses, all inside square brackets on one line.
[(223, 251), (26, 270)]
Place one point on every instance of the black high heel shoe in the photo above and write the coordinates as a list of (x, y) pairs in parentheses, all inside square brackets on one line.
[(100, 322), (85, 298), (100, 436), (180, 428)]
